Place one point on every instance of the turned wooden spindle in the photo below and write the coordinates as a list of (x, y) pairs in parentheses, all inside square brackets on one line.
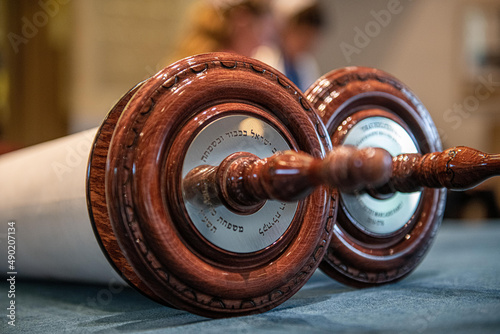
[(209, 261), (206, 260), (243, 182), (458, 168), (382, 234)]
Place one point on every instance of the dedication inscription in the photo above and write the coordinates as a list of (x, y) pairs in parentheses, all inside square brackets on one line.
[(381, 216), (220, 226)]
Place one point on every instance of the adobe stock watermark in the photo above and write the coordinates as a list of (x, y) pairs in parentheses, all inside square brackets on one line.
[(460, 111), (105, 295), (103, 298), (422, 321), (363, 36), (31, 26), (11, 272), (150, 70), (77, 153)]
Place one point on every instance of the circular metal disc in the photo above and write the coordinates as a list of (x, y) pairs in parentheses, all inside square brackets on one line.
[(381, 216), (219, 225)]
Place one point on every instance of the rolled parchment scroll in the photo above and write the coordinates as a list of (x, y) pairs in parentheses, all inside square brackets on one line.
[(118, 198), (213, 187), (43, 193), (112, 199)]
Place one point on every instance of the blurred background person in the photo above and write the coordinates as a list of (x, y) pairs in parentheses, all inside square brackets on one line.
[(297, 26), (238, 26)]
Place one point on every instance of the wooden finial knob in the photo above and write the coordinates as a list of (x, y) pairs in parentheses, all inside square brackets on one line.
[(458, 168), (195, 112), (243, 182)]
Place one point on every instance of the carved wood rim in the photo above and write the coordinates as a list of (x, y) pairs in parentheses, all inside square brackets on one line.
[(97, 203), (354, 257), (198, 244), (170, 270)]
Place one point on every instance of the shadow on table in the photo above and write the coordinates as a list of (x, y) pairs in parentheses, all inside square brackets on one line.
[(94, 308)]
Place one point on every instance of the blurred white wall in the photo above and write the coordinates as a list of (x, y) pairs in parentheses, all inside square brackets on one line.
[(118, 43), (422, 44)]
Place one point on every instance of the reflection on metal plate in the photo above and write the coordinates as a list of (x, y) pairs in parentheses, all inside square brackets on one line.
[(225, 229), (381, 216)]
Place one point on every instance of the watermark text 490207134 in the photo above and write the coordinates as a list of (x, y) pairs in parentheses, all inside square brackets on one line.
[(12, 272)]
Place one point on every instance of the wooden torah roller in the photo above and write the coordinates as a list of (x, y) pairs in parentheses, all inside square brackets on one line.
[(208, 189), (381, 234)]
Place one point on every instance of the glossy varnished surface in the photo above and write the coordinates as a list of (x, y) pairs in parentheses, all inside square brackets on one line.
[(97, 203), (457, 168), (358, 256), (353, 103), (144, 198), (156, 220), (243, 182)]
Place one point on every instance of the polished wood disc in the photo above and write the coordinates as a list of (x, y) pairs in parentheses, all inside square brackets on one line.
[(212, 261), (378, 237)]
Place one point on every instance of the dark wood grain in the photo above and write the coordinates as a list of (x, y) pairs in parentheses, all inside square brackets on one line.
[(97, 202), (243, 181), (458, 168), (141, 219), (355, 256)]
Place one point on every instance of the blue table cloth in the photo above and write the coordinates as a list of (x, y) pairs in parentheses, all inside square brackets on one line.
[(456, 289)]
